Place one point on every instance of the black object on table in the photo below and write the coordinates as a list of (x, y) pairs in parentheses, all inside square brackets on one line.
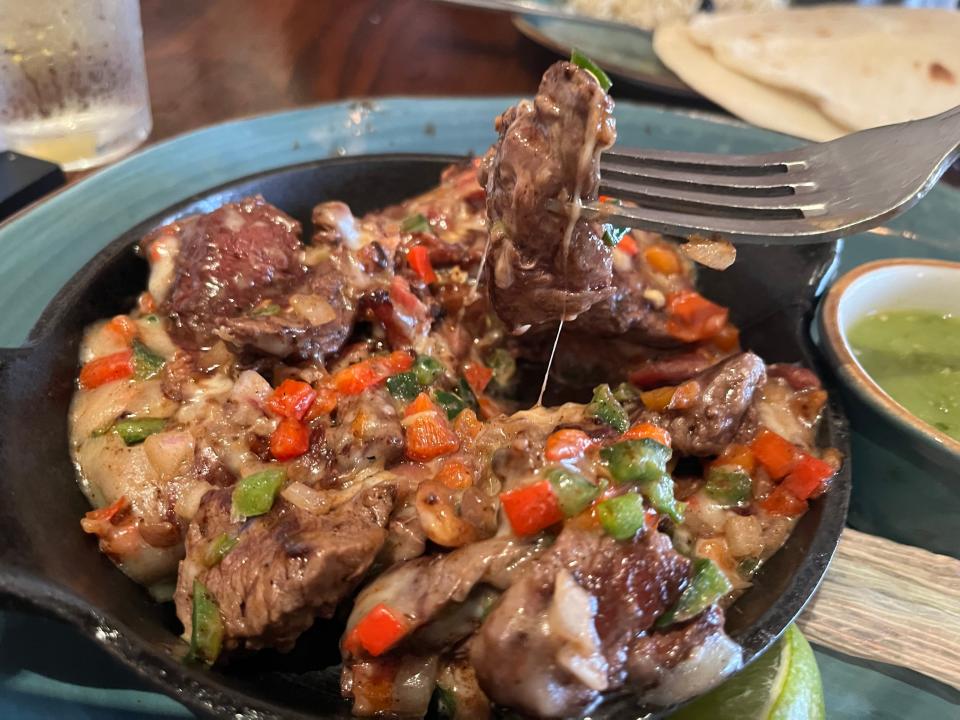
[(24, 179)]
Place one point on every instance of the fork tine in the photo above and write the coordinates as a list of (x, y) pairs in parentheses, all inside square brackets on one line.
[(778, 184), (765, 164), (751, 227), (710, 203)]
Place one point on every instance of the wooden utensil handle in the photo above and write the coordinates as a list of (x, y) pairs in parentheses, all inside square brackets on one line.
[(889, 602)]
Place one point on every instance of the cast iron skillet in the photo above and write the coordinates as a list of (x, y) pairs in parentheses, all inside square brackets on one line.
[(48, 564)]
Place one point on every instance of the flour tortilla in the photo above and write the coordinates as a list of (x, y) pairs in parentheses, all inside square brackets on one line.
[(862, 66), (762, 105)]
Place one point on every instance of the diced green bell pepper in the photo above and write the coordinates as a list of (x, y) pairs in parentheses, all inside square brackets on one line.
[(636, 461), (729, 486), (404, 386), (136, 430), (644, 463), (255, 494), (407, 385), (660, 495), (607, 409), (206, 632), (415, 224), (574, 492), (446, 703), (504, 367), (146, 363), (625, 392), (266, 310), (452, 404), (613, 235), (218, 549), (581, 60), (456, 402), (427, 369), (707, 586), (622, 517)]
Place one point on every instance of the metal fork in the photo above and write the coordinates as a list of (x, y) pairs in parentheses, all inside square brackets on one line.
[(809, 194)]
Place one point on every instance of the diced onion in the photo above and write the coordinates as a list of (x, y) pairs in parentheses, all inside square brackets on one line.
[(305, 498), (189, 502), (169, 451), (714, 254), (571, 617), (313, 308)]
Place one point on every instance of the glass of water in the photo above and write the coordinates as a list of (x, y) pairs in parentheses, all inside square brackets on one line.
[(73, 85)]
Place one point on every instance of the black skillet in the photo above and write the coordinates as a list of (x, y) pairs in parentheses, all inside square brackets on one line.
[(49, 565)]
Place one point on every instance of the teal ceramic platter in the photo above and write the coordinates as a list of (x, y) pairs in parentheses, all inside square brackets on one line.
[(623, 51), (49, 670)]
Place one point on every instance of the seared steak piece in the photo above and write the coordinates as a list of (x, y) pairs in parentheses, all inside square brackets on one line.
[(228, 261), (714, 418), (311, 323), (672, 665), (288, 567), (540, 268), (561, 634)]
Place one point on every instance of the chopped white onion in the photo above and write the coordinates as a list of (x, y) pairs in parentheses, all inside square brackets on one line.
[(313, 308), (169, 451), (305, 498), (571, 617), (714, 254)]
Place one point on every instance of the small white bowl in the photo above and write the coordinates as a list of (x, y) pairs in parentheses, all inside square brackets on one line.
[(906, 472)]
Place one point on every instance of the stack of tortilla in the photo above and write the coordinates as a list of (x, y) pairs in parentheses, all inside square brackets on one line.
[(821, 72)]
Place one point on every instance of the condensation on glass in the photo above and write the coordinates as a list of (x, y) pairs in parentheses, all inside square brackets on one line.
[(73, 85)]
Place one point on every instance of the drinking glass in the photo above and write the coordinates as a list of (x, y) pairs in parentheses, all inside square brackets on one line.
[(73, 85)]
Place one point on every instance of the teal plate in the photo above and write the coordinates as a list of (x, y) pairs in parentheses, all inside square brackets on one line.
[(49, 670), (625, 52)]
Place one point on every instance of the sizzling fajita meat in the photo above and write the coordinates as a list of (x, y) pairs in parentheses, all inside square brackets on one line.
[(283, 431), (545, 264)]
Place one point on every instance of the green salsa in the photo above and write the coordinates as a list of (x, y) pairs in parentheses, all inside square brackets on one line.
[(915, 356)]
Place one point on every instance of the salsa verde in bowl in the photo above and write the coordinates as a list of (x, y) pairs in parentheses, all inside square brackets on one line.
[(890, 330)]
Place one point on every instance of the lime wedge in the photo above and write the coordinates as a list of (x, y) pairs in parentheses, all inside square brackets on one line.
[(783, 684)]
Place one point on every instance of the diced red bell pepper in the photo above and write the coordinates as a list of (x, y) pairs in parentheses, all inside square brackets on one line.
[(662, 259), (356, 378), (377, 632), (290, 440), (326, 401), (455, 474), (645, 430), (478, 376), (531, 508), (777, 455), (96, 520), (728, 339), (808, 477), (107, 369), (428, 433), (566, 444), (739, 456), (628, 245), (124, 327), (691, 317), (419, 259), (783, 502), (292, 399)]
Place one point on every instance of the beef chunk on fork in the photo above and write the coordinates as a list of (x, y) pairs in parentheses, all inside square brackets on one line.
[(288, 567), (722, 406), (228, 261), (548, 154)]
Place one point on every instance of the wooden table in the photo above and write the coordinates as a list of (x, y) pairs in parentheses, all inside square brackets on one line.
[(213, 60)]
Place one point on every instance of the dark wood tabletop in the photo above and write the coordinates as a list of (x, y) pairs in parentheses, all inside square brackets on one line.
[(213, 60)]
